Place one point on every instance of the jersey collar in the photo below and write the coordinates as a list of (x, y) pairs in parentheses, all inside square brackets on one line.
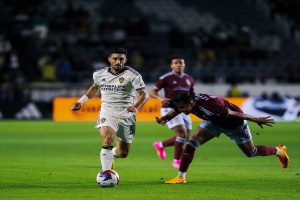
[(178, 75), (109, 70)]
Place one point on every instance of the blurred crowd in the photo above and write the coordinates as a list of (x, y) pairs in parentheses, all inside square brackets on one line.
[(40, 44), (289, 8)]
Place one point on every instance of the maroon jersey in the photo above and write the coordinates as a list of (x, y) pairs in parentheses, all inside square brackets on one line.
[(215, 109), (175, 84)]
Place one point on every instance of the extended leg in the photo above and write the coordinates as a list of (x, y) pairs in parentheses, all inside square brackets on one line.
[(199, 138), (251, 151)]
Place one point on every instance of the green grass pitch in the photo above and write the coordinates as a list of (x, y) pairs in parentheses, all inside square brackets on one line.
[(48, 160)]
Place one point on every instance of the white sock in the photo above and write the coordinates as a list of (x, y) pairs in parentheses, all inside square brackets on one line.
[(278, 151), (181, 174), (106, 157), (115, 153)]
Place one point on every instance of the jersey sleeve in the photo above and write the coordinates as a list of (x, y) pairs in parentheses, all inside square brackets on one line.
[(138, 83), (95, 78), (160, 84)]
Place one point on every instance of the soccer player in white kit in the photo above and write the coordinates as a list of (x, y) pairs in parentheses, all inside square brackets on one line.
[(118, 85)]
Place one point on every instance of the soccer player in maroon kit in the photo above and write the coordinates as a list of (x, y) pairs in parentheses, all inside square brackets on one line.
[(220, 116), (174, 82)]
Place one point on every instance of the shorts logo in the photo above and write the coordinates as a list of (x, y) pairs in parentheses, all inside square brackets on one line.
[(121, 80), (102, 120)]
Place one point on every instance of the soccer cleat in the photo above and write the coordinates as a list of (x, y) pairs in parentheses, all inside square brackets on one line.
[(176, 163), (160, 150), (177, 180), (283, 157)]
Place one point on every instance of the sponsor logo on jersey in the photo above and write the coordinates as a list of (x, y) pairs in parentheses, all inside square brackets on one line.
[(115, 88), (102, 120), (121, 80)]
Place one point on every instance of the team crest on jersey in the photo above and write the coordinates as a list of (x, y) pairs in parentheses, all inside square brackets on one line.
[(188, 82), (121, 80), (102, 120)]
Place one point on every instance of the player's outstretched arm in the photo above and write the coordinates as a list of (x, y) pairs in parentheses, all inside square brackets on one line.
[(163, 120), (141, 100), (268, 121), (89, 94)]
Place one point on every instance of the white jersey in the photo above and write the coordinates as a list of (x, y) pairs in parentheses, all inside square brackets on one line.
[(117, 90)]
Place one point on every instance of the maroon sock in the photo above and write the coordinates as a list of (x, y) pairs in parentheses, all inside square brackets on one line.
[(265, 151), (169, 142), (178, 147), (187, 158)]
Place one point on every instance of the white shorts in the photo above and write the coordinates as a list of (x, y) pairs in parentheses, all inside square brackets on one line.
[(240, 135), (124, 127), (181, 119)]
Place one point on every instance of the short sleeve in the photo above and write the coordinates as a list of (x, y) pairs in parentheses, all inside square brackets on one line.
[(138, 82), (95, 78), (160, 83)]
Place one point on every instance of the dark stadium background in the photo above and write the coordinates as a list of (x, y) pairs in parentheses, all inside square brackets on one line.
[(236, 48), (50, 48)]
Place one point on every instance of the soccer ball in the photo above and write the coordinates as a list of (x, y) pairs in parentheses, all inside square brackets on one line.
[(108, 178)]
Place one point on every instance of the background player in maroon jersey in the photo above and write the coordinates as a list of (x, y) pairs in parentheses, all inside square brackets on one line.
[(219, 116), (174, 82)]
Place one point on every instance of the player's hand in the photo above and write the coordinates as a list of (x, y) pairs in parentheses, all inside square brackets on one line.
[(165, 102), (268, 121), (76, 106), (161, 120), (132, 109)]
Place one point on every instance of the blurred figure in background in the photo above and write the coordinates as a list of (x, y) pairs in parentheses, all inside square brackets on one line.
[(234, 90), (174, 82)]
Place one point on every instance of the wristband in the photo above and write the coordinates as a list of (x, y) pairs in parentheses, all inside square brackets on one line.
[(83, 99)]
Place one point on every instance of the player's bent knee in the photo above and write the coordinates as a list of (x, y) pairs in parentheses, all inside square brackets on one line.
[(194, 143), (251, 153), (182, 134), (123, 154), (108, 140)]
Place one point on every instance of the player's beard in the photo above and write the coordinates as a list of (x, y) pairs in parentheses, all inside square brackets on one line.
[(118, 68)]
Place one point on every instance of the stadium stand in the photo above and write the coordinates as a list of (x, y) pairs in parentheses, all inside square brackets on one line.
[(62, 42)]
